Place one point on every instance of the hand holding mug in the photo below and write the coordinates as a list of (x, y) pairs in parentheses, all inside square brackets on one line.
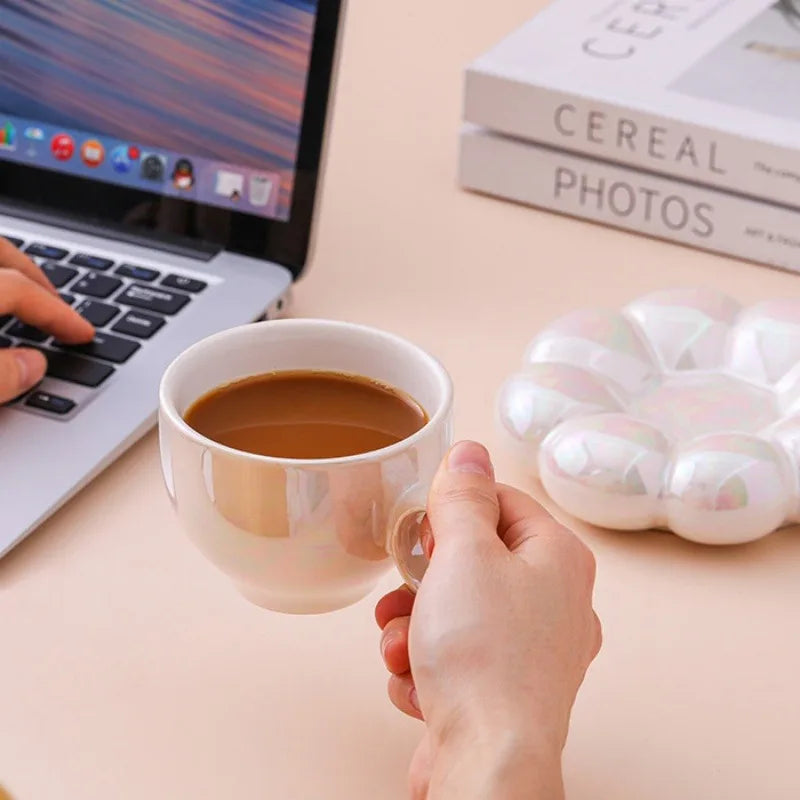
[(493, 648)]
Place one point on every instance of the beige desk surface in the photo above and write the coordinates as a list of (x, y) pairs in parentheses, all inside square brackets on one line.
[(130, 669)]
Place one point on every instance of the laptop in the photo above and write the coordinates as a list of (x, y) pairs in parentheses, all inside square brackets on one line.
[(160, 162)]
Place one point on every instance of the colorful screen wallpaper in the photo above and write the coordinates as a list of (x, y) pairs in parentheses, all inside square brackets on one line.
[(219, 84)]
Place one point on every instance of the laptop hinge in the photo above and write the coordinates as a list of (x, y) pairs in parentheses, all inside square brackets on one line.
[(154, 240)]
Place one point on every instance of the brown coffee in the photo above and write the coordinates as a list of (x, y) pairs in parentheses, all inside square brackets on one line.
[(306, 414)]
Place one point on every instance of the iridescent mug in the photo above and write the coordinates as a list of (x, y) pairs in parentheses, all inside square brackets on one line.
[(304, 536)]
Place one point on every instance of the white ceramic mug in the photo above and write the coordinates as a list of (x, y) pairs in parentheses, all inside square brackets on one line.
[(304, 536)]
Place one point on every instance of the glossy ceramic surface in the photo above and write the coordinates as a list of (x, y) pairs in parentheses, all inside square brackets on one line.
[(303, 536), (679, 411)]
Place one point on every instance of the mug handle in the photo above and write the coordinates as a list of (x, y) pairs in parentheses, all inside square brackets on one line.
[(403, 537)]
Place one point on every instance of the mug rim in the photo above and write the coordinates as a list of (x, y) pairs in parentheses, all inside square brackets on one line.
[(167, 405)]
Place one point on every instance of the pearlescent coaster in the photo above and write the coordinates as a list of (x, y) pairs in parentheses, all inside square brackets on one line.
[(680, 411)]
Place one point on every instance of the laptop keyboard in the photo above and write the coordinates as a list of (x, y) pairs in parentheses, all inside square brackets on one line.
[(128, 304)]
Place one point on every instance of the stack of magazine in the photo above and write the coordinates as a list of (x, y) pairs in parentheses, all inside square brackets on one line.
[(675, 118)]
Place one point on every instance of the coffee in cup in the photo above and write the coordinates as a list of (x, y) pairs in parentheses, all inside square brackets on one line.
[(306, 414), (298, 455)]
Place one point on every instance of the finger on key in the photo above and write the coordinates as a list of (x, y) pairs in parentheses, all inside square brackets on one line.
[(34, 305), (20, 370), (11, 258)]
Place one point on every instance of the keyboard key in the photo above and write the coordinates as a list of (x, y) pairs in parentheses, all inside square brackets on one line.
[(135, 323), (46, 251), (5, 342), (69, 299), (93, 262), (50, 402), (152, 299), (97, 313), (72, 368), (96, 285), (13, 239), (58, 274), (107, 347), (181, 282), (20, 330), (139, 273)]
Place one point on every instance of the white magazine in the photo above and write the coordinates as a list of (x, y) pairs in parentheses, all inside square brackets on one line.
[(704, 90), (631, 199)]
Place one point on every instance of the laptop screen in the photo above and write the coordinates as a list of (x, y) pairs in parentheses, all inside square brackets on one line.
[(200, 100)]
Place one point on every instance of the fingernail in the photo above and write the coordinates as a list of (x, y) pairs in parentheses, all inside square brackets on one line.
[(470, 457), (30, 366), (427, 545), (385, 642), (413, 699), (426, 537)]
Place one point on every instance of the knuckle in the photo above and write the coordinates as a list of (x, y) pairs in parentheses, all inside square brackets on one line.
[(578, 559), (13, 282), (396, 627), (519, 531), (393, 689), (9, 377), (468, 494), (398, 689), (580, 554)]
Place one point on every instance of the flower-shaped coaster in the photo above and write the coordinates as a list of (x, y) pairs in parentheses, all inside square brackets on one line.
[(681, 411)]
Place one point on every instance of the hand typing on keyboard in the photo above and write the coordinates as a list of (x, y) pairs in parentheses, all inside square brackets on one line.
[(27, 294)]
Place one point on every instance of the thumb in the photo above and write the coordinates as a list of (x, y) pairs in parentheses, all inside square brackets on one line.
[(463, 499), (20, 370)]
